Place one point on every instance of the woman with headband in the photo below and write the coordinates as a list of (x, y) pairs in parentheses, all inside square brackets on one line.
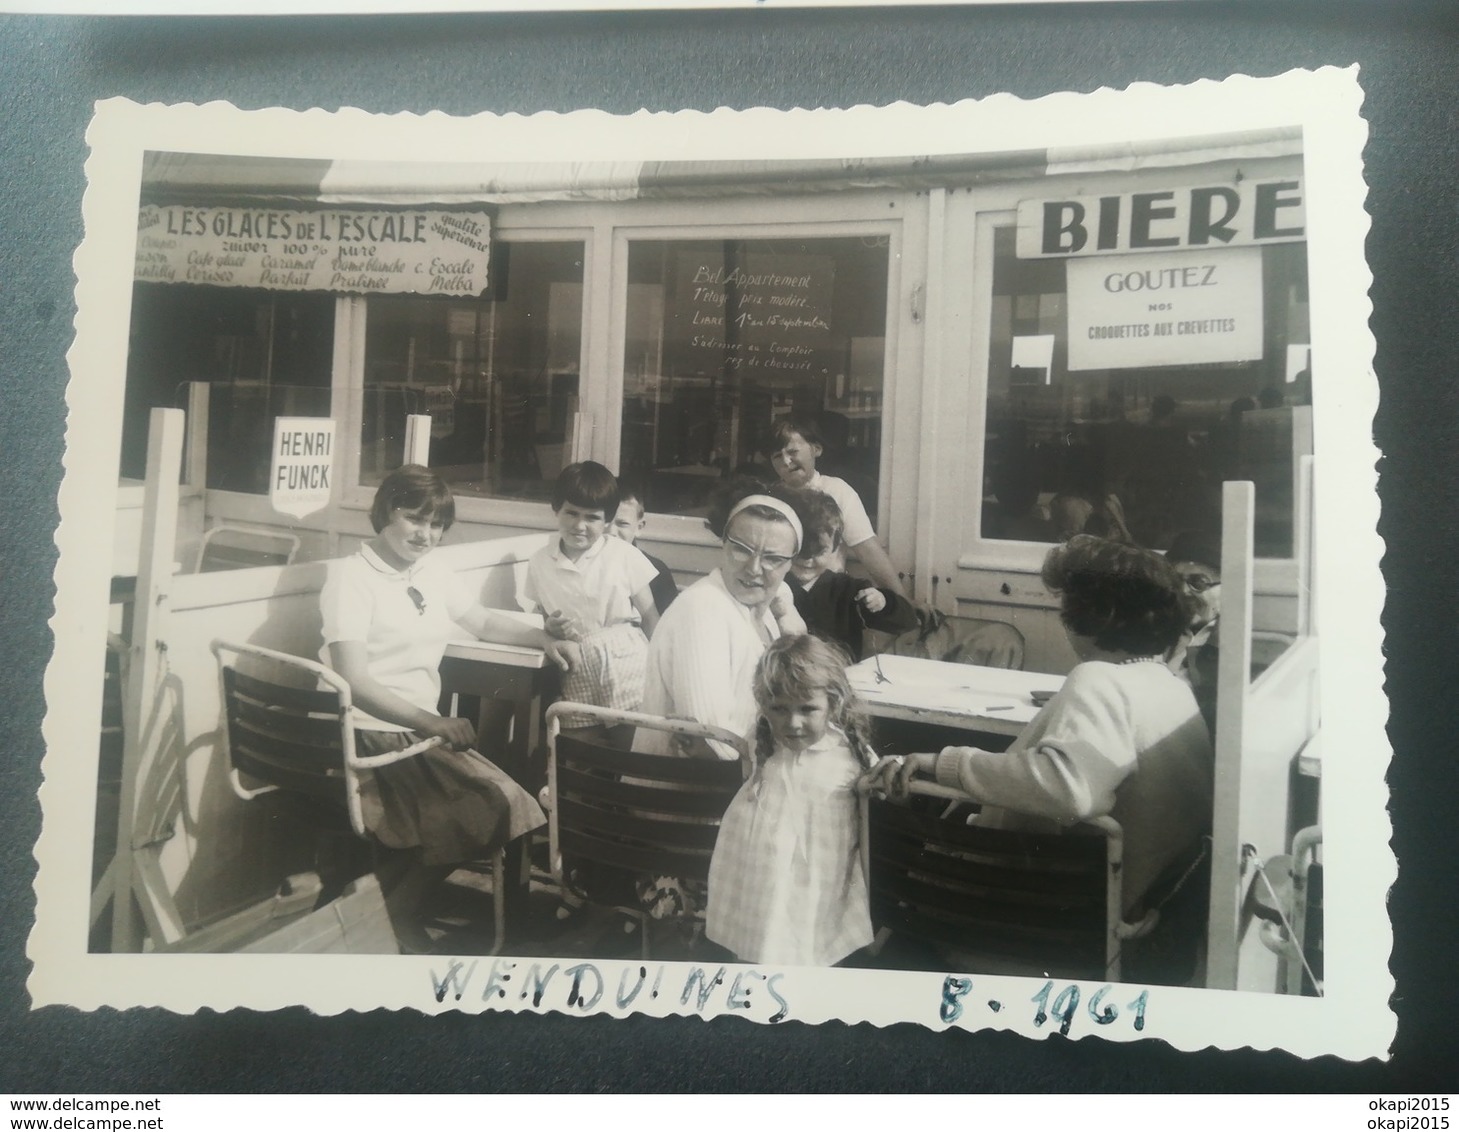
[(701, 661)]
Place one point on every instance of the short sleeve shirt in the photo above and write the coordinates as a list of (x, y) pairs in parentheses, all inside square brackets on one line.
[(858, 526), (597, 590), (366, 600)]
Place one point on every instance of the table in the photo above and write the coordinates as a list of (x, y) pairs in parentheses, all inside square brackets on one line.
[(966, 696), (511, 681)]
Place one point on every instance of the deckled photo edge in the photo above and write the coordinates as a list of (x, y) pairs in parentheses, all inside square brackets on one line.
[(66, 972)]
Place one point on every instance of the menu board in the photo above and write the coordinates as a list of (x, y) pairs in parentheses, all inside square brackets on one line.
[(768, 313), (367, 251)]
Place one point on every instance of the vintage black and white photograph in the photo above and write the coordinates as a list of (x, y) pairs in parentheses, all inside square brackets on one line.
[(890, 564)]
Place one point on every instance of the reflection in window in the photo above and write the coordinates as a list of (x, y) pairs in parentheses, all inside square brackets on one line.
[(498, 375), (264, 354), (723, 336), (1139, 453)]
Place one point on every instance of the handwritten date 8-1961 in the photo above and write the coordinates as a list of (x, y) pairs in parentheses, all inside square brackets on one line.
[(1061, 1006)]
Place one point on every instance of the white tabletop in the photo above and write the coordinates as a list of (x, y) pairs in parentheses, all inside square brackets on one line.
[(994, 700), (489, 652)]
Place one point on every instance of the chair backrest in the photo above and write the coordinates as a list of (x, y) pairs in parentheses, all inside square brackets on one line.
[(283, 736), (229, 546), (635, 813), (961, 640), (1014, 902)]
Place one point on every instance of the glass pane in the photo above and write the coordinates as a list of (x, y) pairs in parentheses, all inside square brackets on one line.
[(498, 375), (241, 428), (1142, 449), (723, 336), (264, 353)]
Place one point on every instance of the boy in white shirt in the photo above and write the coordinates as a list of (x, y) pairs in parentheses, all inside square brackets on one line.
[(595, 591), (793, 447)]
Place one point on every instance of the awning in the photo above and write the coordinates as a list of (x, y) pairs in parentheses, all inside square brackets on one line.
[(215, 178)]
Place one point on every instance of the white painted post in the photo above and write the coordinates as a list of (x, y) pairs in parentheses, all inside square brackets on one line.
[(195, 457), (142, 708), (1233, 680), (580, 438), (418, 439), (1303, 544)]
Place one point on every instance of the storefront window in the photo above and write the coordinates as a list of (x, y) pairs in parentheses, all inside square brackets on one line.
[(263, 354), (723, 336), (1106, 442), (498, 375)]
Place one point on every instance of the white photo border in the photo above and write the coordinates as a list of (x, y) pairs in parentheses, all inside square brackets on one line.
[(1353, 1020)]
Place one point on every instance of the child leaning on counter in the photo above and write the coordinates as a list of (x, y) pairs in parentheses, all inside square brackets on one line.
[(595, 591)]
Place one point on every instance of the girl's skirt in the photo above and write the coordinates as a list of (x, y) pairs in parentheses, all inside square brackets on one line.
[(453, 805)]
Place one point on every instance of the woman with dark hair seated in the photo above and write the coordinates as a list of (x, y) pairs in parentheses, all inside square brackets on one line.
[(1123, 737), (388, 612)]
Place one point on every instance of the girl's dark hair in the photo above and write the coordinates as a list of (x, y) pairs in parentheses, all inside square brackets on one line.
[(726, 495), (818, 513), (1123, 597), (795, 666), (733, 491), (783, 427), (1201, 547), (588, 485), (416, 490)]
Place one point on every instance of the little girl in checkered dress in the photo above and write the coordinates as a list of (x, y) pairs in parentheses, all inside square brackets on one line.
[(786, 883)]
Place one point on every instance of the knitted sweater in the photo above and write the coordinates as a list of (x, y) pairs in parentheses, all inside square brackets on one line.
[(1125, 740)]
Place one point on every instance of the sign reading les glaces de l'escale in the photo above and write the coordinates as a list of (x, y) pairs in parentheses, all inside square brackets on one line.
[(367, 251)]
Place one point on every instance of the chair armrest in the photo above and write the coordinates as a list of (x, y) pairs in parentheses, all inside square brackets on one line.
[(370, 762), (687, 727), (1141, 927), (920, 787)]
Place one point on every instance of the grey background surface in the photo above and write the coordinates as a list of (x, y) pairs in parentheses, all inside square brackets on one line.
[(53, 68)]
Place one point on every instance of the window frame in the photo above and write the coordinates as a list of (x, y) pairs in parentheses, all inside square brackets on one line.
[(880, 214), (349, 383), (966, 551)]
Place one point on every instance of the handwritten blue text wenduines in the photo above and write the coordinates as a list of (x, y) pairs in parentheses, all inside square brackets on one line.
[(584, 987)]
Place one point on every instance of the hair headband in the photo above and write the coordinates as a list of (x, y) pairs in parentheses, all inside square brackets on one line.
[(784, 510)]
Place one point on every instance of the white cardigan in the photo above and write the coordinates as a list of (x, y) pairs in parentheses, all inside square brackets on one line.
[(701, 663), (1125, 740)]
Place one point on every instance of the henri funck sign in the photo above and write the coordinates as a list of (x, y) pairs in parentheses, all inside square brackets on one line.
[(1205, 216), (303, 460)]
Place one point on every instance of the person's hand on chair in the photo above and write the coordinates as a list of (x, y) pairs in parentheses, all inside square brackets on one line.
[(894, 773), (453, 730)]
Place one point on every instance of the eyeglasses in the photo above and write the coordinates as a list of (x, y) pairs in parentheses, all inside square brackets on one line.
[(1200, 583), (415, 596), (744, 555)]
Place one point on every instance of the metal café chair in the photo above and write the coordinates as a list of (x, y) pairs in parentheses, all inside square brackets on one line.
[(614, 815), (297, 734), (1014, 902)]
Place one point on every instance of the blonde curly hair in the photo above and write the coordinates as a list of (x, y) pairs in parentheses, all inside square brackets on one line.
[(794, 666)]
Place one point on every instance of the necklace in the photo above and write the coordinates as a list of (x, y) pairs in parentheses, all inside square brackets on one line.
[(1142, 660)]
